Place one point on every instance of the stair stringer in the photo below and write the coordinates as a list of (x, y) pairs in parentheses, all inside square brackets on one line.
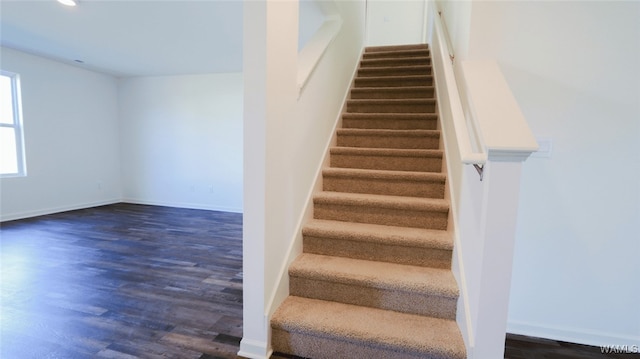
[(463, 312), (440, 58), (281, 290)]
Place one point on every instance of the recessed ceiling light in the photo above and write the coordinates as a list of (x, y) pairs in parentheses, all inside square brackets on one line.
[(68, 2)]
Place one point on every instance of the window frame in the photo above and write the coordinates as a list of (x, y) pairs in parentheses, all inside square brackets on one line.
[(17, 125)]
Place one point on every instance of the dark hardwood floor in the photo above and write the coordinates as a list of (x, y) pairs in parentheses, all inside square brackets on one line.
[(132, 281), (524, 347), (121, 281)]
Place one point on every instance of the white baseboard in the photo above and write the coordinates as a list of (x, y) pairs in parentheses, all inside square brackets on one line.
[(254, 349), (52, 210), (182, 205), (572, 335)]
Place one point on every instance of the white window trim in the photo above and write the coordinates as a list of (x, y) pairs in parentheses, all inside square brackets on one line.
[(16, 125)]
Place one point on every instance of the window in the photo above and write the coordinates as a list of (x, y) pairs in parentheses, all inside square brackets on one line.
[(11, 143)]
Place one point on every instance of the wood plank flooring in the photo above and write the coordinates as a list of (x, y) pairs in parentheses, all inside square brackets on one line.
[(122, 281), (130, 281), (524, 347)]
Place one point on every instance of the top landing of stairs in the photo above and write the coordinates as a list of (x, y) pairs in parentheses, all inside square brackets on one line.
[(388, 48), (395, 51)]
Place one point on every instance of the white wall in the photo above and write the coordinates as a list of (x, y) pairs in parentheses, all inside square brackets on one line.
[(285, 140), (71, 138), (457, 22), (572, 67), (181, 139), (311, 17), (91, 139), (395, 22)]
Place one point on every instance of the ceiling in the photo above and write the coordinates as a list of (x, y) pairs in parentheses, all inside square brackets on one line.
[(129, 38)]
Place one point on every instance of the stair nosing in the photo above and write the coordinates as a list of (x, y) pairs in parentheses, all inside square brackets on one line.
[(400, 52), (390, 59), (389, 152), (388, 88), (388, 132), (385, 174), (382, 201), (399, 115), (418, 46), (379, 234), (393, 101), (403, 77), (395, 67)]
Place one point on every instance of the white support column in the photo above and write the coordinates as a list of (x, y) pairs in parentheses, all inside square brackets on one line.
[(270, 68), (499, 217), (254, 339), (489, 209)]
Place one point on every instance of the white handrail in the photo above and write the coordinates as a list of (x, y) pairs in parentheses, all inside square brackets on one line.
[(310, 55), (447, 37), (446, 82)]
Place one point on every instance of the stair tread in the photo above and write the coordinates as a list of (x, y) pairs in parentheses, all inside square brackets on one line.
[(396, 47), (383, 201), (395, 89), (376, 53), (387, 132), (390, 115), (370, 326), (385, 174), (393, 101), (381, 275), (399, 152), (399, 77), (377, 233), (423, 59), (394, 67)]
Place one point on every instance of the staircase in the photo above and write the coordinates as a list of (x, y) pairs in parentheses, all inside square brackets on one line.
[(374, 279)]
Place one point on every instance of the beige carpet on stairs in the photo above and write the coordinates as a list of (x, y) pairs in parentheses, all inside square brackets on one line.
[(374, 279)]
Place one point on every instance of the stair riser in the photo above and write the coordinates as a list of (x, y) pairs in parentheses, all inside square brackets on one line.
[(384, 187), (407, 61), (381, 107), (392, 93), (316, 347), (406, 142), (392, 163), (417, 256), (405, 302), (395, 124), (380, 215), (393, 71), (393, 81)]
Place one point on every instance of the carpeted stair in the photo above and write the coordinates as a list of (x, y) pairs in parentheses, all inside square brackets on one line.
[(374, 279)]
